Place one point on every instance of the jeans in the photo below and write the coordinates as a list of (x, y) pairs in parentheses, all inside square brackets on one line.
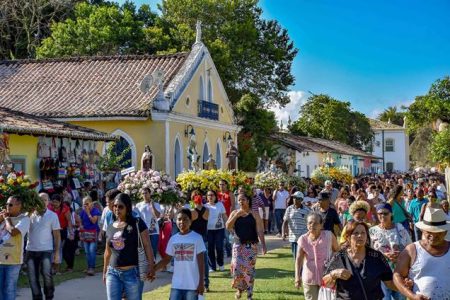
[(9, 274), (176, 294), (118, 281), (154, 242), (279, 214), (390, 294), (205, 256), (40, 262), (215, 244), (271, 221), (227, 243), (294, 249), (91, 252)]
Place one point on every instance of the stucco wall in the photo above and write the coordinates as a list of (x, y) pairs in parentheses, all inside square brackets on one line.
[(25, 146), (400, 156)]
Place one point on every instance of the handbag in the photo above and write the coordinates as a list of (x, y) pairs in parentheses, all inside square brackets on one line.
[(88, 235), (325, 292), (142, 257)]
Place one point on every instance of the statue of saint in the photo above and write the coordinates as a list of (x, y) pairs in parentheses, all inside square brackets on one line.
[(263, 163), (147, 159), (232, 154), (210, 164), (192, 154), (290, 162)]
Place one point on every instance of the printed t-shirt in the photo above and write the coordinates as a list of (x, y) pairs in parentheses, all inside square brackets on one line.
[(11, 251), (215, 219), (184, 248), (146, 214), (40, 236), (224, 197), (123, 243)]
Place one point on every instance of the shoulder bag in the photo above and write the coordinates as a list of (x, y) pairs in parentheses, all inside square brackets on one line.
[(142, 257)]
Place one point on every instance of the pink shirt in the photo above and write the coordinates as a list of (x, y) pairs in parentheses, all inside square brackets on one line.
[(316, 253)]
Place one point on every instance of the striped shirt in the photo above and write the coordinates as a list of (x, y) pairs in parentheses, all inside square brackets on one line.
[(296, 218)]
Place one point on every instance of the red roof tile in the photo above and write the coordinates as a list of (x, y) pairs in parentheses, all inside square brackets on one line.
[(85, 86)]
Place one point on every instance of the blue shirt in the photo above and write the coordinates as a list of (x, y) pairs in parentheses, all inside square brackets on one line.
[(87, 224), (415, 207)]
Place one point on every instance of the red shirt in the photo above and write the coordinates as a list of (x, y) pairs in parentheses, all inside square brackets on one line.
[(61, 212), (226, 201)]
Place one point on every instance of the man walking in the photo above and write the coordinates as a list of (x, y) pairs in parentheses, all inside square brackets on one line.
[(149, 212), (329, 215), (13, 227), (426, 262), (280, 199), (414, 209), (43, 240), (227, 198)]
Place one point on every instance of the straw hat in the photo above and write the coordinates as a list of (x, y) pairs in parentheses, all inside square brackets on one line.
[(357, 205), (434, 220)]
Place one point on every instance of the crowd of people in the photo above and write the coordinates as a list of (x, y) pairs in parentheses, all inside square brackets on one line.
[(380, 237)]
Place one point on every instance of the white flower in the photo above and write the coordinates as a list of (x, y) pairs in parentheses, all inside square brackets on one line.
[(134, 191)]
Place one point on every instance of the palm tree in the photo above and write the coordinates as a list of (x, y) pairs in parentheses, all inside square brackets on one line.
[(393, 115)]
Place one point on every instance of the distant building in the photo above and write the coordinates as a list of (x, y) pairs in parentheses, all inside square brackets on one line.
[(391, 143)]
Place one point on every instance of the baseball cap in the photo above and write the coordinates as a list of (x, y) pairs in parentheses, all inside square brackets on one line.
[(328, 182), (298, 195)]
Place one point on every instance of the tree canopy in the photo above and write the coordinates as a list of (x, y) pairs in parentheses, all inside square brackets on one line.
[(392, 114), (325, 117)]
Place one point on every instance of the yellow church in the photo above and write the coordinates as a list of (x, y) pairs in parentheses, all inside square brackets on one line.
[(176, 104)]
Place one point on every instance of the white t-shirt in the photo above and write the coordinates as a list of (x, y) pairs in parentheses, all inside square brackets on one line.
[(40, 237), (184, 250), (11, 250), (280, 199), (146, 214), (311, 200), (215, 219)]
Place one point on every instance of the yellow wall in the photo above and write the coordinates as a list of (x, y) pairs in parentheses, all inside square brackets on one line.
[(142, 133), (25, 146), (193, 92)]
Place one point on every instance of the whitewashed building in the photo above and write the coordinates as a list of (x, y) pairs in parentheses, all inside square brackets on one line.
[(391, 143), (312, 153)]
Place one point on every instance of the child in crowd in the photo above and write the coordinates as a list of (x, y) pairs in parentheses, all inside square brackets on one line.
[(187, 248)]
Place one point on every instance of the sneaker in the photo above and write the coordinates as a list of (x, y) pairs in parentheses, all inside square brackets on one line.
[(278, 234), (211, 270), (221, 268), (170, 269)]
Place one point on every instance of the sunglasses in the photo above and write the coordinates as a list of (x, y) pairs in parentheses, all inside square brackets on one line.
[(383, 213), (209, 194), (119, 206)]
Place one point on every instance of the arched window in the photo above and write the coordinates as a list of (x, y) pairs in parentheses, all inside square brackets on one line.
[(209, 91), (178, 164), (218, 156), (389, 145), (125, 141), (205, 153), (119, 148), (201, 92)]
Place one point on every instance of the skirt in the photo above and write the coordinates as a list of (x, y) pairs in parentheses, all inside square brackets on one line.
[(243, 264)]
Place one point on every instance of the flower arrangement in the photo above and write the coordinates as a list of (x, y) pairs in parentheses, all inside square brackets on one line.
[(272, 179), (19, 184), (204, 180), (320, 175), (162, 187)]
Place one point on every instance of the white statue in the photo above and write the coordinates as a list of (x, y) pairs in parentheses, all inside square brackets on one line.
[(198, 29), (192, 154)]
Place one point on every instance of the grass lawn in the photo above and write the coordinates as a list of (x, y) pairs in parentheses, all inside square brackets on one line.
[(274, 280), (79, 267)]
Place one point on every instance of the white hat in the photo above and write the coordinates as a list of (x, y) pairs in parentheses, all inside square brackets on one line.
[(298, 195), (434, 220)]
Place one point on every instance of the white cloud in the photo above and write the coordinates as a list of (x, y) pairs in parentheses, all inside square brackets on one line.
[(298, 98)]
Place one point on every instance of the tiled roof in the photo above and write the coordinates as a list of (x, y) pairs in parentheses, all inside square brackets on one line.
[(85, 86), (303, 143), (15, 122), (377, 124)]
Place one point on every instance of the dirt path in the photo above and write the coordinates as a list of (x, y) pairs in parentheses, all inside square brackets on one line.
[(92, 287)]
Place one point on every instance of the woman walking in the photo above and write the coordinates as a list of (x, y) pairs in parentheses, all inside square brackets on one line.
[(390, 239), (89, 231), (248, 228), (216, 230), (314, 248), (120, 269)]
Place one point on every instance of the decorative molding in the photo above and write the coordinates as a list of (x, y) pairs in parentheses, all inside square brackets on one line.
[(180, 142), (118, 118), (130, 141)]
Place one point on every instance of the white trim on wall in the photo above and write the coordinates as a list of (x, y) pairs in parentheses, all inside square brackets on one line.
[(130, 141), (167, 146), (219, 143), (180, 142)]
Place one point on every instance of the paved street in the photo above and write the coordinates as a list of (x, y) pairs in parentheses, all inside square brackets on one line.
[(92, 287)]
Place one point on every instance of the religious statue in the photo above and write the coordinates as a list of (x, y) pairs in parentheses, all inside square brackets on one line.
[(147, 159), (273, 166), (198, 29), (192, 154), (262, 163), (232, 154), (210, 164), (290, 162), (4, 148)]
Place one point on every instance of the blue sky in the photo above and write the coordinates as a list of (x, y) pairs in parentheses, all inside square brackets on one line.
[(374, 54)]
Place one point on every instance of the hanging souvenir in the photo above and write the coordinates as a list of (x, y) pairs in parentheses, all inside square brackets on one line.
[(62, 152), (43, 148), (53, 149)]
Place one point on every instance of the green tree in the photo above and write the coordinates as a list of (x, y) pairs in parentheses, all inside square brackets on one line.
[(104, 29), (440, 147), (257, 124), (392, 114), (253, 55), (325, 117), (428, 108), (420, 147)]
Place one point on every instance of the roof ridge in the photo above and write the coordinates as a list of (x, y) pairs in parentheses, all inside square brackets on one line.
[(94, 58)]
